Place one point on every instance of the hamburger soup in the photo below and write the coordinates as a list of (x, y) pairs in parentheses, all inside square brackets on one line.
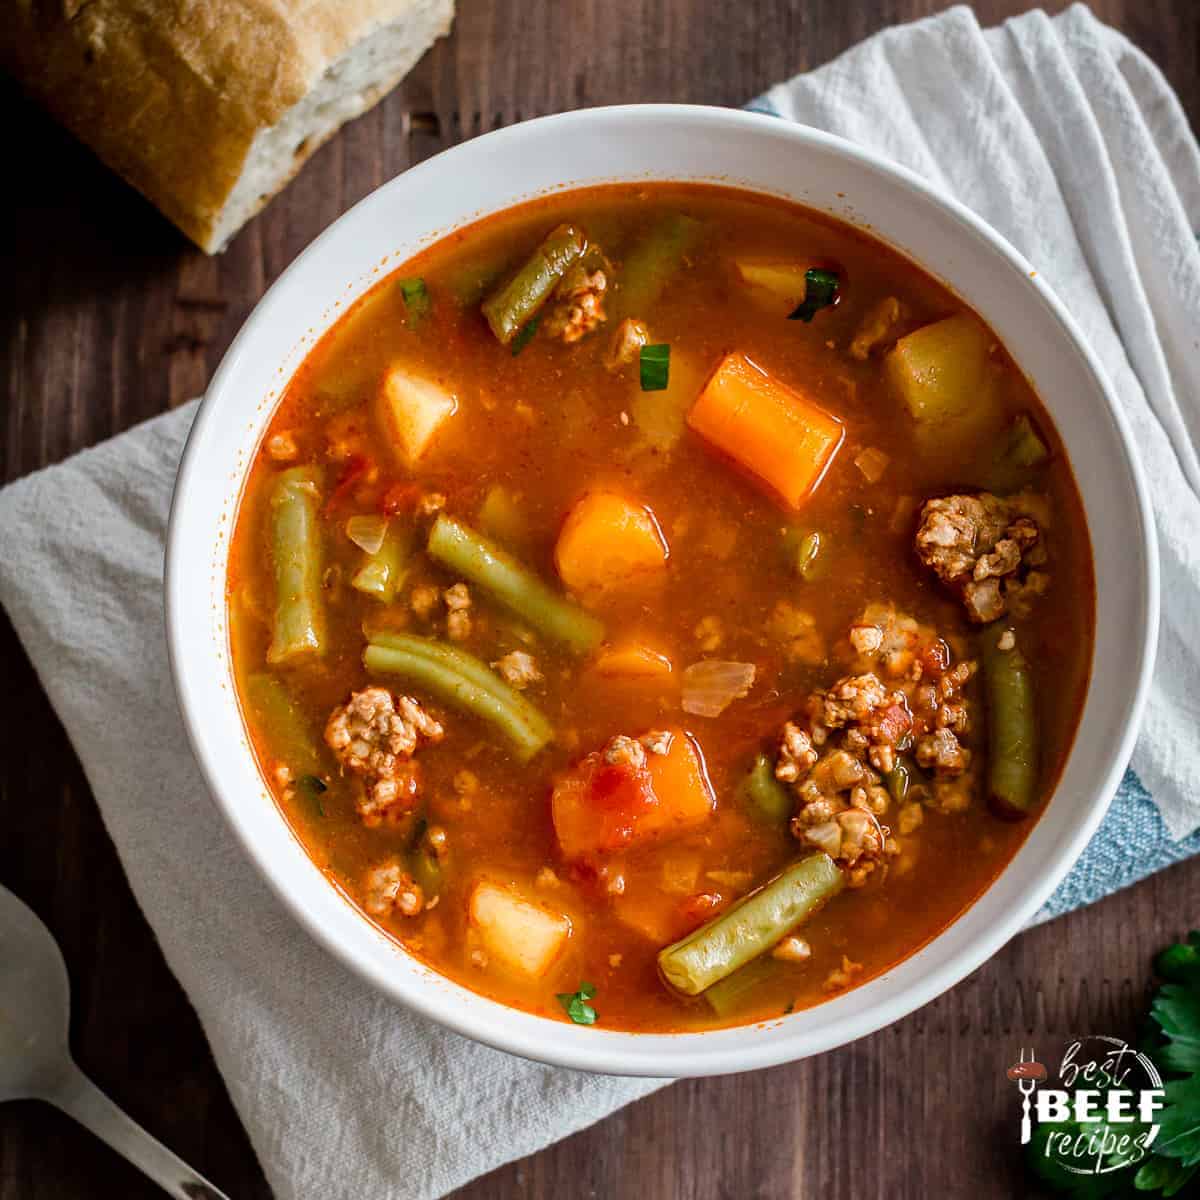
[(660, 606)]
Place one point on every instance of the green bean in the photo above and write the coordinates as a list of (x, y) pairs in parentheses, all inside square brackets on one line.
[(275, 710), (423, 863), (1021, 450), (463, 681), (728, 995), (474, 557), (763, 792), (384, 571), (299, 623), (1012, 727), (897, 782), (803, 549), (470, 668), (509, 308), (652, 262), (751, 927)]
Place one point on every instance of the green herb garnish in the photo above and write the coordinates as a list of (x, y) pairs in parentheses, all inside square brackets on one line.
[(525, 336), (314, 789), (1173, 1042), (820, 291), (416, 299), (577, 1006), (656, 367)]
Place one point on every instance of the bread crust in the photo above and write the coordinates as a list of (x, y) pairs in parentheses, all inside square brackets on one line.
[(172, 93)]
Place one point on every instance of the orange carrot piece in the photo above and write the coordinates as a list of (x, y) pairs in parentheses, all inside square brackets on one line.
[(634, 660), (679, 780), (599, 808), (608, 541), (771, 430)]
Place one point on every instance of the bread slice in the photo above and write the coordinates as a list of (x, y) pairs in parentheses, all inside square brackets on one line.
[(210, 108)]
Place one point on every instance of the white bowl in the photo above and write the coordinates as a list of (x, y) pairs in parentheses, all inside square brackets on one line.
[(663, 142)]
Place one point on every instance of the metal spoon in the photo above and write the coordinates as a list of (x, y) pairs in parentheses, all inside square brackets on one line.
[(36, 1064)]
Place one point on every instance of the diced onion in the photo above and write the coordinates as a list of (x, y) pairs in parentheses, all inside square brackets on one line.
[(367, 531), (710, 686), (872, 463)]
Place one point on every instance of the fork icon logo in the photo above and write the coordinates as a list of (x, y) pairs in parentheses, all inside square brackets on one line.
[(1028, 1073)]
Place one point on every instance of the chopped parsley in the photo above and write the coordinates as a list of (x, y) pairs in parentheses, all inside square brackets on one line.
[(820, 291), (314, 788), (655, 362), (576, 1004)]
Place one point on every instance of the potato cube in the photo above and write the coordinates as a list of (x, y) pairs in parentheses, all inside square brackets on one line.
[(517, 933), (411, 410)]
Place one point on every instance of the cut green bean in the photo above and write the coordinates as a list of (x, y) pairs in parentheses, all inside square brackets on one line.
[(470, 668), (292, 740), (1012, 725), (462, 680), (763, 793), (299, 625), (1020, 451), (650, 264), (384, 571), (510, 307), (751, 927), (803, 549), (897, 782), (424, 865), (727, 996), (481, 561)]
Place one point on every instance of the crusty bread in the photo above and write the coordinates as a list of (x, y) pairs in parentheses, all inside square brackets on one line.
[(209, 107)]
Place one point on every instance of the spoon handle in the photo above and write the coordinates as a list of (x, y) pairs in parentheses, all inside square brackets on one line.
[(80, 1098)]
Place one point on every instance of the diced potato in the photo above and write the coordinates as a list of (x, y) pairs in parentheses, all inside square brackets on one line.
[(778, 285), (940, 370), (519, 934), (608, 542), (411, 410), (633, 660), (660, 417), (772, 430), (680, 781), (654, 915)]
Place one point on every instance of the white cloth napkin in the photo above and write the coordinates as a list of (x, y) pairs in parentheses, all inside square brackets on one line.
[(1060, 133)]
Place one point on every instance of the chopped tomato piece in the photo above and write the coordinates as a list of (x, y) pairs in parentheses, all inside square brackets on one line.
[(356, 467), (600, 807)]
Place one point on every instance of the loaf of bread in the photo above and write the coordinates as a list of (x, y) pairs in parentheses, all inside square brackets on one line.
[(209, 107)]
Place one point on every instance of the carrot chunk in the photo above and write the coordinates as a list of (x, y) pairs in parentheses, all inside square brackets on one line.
[(599, 807), (679, 780), (607, 542), (633, 660), (770, 429)]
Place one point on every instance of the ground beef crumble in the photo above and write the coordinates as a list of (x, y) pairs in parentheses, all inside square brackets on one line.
[(987, 549), (904, 695), (374, 736)]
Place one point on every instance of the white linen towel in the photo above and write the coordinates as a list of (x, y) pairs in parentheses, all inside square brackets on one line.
[(1060, 133)]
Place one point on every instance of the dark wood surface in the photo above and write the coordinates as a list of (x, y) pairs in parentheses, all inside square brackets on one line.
[(110, 317)]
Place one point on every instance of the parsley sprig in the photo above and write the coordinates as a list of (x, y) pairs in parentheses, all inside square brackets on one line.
[(1172, 1040), (576, 1004)]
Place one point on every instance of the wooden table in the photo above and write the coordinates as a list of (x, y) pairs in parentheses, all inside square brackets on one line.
[(113, 318)]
